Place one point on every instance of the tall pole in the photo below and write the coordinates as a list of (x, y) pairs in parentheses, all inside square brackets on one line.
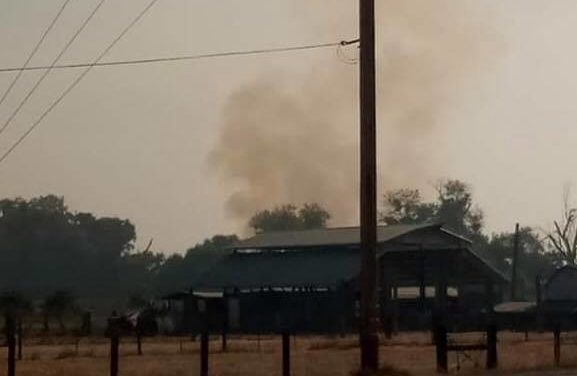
[(515, 264), (368, 337)]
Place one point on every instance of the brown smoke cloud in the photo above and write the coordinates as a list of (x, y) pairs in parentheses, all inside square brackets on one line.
[(286, 142)]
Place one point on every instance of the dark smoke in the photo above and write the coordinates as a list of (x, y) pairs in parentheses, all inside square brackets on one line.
[(283, 142)]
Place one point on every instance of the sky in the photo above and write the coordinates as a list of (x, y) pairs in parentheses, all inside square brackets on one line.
[(135, 141)]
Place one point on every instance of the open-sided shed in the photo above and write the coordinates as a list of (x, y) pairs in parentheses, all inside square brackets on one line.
[(308, 280)]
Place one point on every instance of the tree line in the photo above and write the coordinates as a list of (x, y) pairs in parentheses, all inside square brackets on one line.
[(46, 248)]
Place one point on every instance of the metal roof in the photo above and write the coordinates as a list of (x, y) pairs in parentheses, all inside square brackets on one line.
[(326, 258), (311, 268), (343, 236)]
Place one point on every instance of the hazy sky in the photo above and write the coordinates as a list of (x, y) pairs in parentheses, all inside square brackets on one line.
[(133, 141)]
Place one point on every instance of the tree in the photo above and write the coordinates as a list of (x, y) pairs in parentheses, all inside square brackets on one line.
[(453, 207), (180, 271), (562, 239), (15, 303), (456, 210), (533, 260), (56, 306), (405, 206), (290, 217)]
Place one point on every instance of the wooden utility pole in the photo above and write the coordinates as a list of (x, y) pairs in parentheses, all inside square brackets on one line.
[(515, 264), (368, 337)]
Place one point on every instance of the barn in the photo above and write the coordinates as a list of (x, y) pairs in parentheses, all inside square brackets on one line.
[(307, 281)]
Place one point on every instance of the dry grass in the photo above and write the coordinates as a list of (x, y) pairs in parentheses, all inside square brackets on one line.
[(408, 354)]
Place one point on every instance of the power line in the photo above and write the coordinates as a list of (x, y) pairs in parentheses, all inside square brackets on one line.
[(50, 67), (76, 81), (187, 57), (33, 52)]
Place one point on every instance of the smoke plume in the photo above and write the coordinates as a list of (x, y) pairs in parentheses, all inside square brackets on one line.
[(286, 142)]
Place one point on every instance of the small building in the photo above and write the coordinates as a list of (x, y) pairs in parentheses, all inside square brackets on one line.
[(559, 295), (556, 304), (307, 281)]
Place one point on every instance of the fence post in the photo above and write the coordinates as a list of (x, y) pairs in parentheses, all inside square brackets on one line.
[(20, 339), (440, 337), (11, 342), (557, 344), (224, 341), (286, 354), (114, 332), (138, 342), (204, 353), (492, 359)]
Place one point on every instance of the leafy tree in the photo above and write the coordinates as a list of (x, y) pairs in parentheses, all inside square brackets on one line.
[(453, 207), (15, 303), (180, 271), (313, 216), (405, 206), (45, 247), (290, 217), (456, 210), (57, 305)]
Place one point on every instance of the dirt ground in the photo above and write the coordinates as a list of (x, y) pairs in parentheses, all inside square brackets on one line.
[(252, 356)]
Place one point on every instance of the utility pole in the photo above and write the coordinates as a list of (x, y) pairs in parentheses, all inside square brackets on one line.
[(368, 336), (515, 264)]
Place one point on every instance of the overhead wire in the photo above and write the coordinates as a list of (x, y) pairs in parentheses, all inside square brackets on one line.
[(77, 81), (34, 50), (187, 57), (50, 67)]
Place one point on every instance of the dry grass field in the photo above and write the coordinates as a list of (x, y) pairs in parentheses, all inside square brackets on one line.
[(249, 356)]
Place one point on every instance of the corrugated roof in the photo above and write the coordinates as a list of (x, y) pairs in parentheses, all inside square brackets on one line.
[(316, 258), (342, 236), (311, 268)]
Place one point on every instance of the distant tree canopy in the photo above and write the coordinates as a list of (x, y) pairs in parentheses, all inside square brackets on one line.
[(44, 247), (453, 207), (48, 251), (290, 217), (178, 271)]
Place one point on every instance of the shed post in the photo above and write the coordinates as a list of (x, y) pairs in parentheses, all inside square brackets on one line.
[(489, 296), (395, 309), (20, 339), (421, 277), (440, 291)]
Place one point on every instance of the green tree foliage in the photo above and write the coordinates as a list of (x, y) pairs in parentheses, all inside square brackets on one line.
[(15, 303), (290, 217), (56, 306), (180, 271), (453, 207), (44, 247), (405, 206)]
